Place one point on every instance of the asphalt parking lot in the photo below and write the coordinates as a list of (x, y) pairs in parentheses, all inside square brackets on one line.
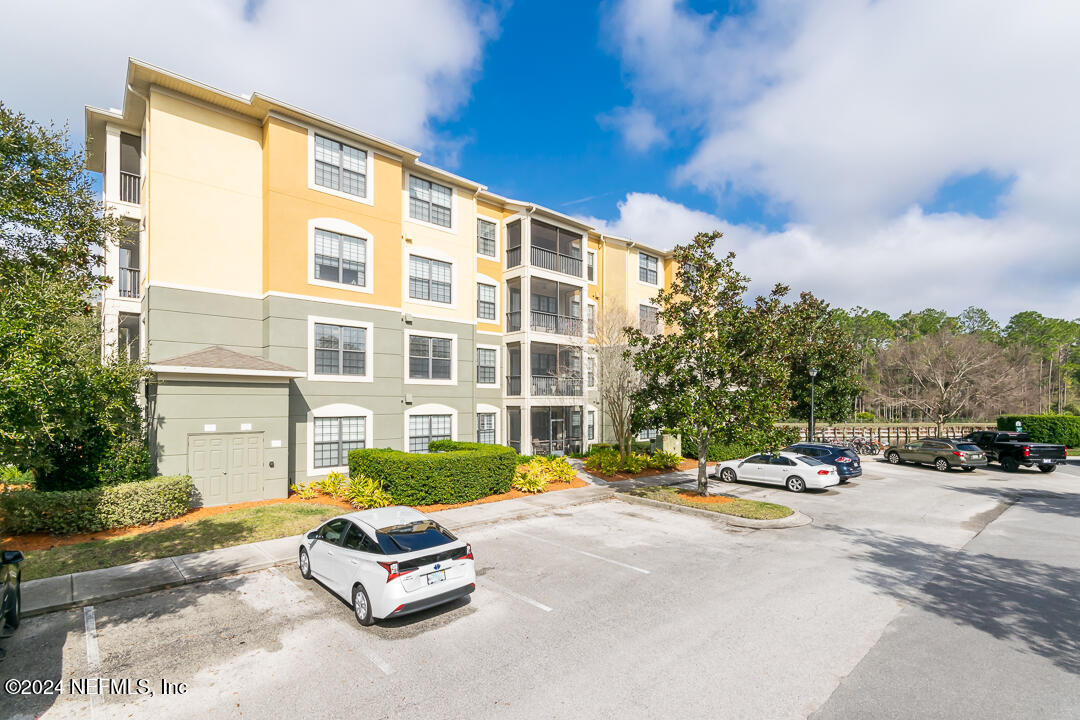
[(914, 594)]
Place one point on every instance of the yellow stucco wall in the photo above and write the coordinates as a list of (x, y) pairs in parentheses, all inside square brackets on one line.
[(292, 204), (493, 268), (204, 224)]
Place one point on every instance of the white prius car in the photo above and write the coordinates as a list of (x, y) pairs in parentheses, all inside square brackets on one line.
[(389, 562), (793, 471)]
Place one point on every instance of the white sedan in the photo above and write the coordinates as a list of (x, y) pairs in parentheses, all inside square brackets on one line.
[(388, 562), (793, 471)]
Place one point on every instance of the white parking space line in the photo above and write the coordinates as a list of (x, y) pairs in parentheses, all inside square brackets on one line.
[(349, 630), (517, 596), (90, 624), (581, 552)]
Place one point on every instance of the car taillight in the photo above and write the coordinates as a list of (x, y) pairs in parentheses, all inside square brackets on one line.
[(468, 552), (843, 458), (957, 453), (822, 472), (1027, 451), (392, 572)]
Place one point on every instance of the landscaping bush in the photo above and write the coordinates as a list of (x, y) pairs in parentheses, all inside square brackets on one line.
[(364, 493), (597, 447), (306, 491), (663, 460), (1057, 429), (864, 417), (455, 472), (333, 484), (64, 512), (535, 475), (719, 452), (641, 446), (128, 461), (11, 475), (607, 462)]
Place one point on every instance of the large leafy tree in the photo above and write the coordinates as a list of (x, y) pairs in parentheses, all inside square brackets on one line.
[(64, 414), (719, 372), (825, 343)]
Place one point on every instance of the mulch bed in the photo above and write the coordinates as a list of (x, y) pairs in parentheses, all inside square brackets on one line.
[(695, 496), (552, 487), (687, 464)]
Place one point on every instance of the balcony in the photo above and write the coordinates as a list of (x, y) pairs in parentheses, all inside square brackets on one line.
[(129, 187), (513, 256), (128, 282), (550, 260), (513, 384), (513, 320), (555, 324), (556, 385)]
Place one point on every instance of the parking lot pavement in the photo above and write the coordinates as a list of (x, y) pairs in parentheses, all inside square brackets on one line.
[(612, 609)]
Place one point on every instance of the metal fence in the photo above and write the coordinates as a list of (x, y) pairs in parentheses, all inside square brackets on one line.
[(890, 433)]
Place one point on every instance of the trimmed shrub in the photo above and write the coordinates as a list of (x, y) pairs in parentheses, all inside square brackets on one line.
[(127, 461), (607, 462), (364, 493), (64, 512), (1057, 429), (456, 472)]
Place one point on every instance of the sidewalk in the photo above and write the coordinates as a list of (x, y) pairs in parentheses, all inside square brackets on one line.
[(94, 586)]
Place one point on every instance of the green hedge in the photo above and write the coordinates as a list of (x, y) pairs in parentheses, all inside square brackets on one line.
[(719, 452), (1058, 429), (63, 512), (454, 472)]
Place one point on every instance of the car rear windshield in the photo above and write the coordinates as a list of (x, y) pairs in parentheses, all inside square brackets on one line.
[(419, 535), (966, 447)]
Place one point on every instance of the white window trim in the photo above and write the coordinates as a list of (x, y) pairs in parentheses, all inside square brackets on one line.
[(659, 323), (498, 238), (336, 410), (482, 279), (369, 357), (596, 317), (342, 227), (429, 409), (453, 359), (588, 357), (596, 267), (659, 270), (369, 171), (405, 217), (430, 253), (596, 424), (482, 408), (498, 362)]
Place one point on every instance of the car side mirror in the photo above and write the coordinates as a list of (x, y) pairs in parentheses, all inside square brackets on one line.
[(12, 556), (313, 535)]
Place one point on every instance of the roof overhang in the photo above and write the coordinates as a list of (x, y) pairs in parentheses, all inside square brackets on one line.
[(283, 375)]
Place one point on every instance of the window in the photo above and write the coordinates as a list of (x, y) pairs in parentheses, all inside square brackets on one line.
[(340, 258), (429, 357), (335, 437), (357, 539), (590, 318), (485, 428), (592, 425), (332, 531), (340, 167), (647, 268), (340, 350), (485, 301), (429, 202), (590, 266), (647, 321), (590, 371), (430, 279), (485, 366), (485, 237), (648, 434), (425, 429)]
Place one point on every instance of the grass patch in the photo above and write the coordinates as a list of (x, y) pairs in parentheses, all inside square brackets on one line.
[(750, 509), (230, 528)]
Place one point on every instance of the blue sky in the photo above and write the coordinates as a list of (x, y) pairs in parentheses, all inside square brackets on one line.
[(861, 149)]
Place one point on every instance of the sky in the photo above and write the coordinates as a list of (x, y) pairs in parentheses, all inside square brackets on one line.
[(891, 154)]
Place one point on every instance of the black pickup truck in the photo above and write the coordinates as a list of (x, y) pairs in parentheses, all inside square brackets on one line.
[(1013, 449)]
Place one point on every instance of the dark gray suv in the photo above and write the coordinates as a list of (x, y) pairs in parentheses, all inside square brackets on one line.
[(942, 453)]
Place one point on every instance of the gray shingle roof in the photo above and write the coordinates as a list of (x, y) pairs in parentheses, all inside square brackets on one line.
[(221, 358)]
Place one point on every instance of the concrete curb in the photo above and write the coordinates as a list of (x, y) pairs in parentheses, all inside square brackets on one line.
[(64, 592), (797, 519)]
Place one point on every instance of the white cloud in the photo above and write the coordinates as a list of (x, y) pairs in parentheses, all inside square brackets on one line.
[(637, 126), (853, 113), (911, 261), (385, 67)]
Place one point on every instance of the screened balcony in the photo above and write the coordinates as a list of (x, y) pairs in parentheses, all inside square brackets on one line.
[(556, 370), (555, 249), (513, 376), (128, 280), (555, 308), (556, 430), (130, 151)]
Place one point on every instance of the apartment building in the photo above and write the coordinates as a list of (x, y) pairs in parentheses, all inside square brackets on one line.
[(300, 288)]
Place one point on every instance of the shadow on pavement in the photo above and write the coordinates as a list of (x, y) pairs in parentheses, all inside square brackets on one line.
[(1030, 604), (1042, 501)]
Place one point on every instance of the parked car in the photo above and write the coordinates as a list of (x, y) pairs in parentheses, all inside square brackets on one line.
[(794, 471), (388, 562), (1013, 449), (10, 592), (845, 460), (943, 453)]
